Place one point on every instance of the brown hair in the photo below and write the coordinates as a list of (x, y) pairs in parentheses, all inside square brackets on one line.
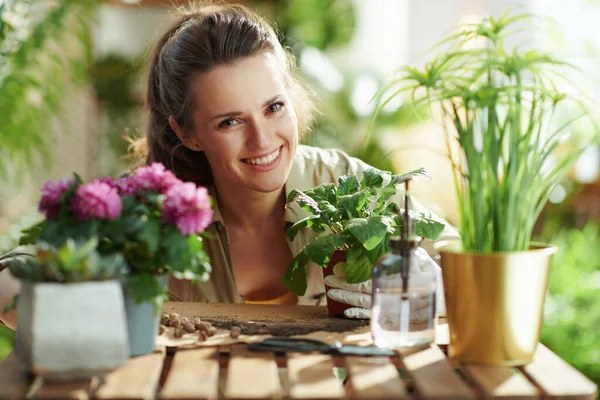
[(206, 37)]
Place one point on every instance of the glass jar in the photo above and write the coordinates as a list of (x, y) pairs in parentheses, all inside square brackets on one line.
[(403, 310)]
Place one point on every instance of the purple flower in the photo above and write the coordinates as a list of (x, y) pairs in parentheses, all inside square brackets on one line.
[(96, 200), (49, 204), (188, 207), (153, 177), (108, 180)]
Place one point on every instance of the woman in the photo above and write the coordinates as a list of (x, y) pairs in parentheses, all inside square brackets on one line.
[(226, 112)]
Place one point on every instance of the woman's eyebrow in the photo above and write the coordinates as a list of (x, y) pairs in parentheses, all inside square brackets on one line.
[(237, 113)]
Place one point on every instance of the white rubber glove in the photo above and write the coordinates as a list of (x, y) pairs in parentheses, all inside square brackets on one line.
[(359, 294)]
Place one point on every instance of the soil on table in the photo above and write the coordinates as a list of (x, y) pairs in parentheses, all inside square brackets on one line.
[(267, 320)]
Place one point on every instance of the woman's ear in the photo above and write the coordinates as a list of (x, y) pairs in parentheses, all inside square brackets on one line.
[(182, 136)]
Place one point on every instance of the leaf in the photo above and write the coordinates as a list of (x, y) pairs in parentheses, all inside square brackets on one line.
[(348, 184), (352, 204), (375, 179), (305, 201), (370, 231), (329, 214), (381, 249), (294, 278), (324, 192), (428, 228), (358, 267), (306, 222), (321, 249), (32, 234), (145, 287), (12, 304), (401, 178), (150, 234)]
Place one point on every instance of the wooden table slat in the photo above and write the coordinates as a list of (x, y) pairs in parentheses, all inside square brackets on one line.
[(14, 380), (252, 375), (433, 375), (498, 382), (311, 377), (194, 374), (557, 378), (374, 378), (67, 390), (137, 379)]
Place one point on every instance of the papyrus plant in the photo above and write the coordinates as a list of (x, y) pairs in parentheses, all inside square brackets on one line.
[(505, 108)]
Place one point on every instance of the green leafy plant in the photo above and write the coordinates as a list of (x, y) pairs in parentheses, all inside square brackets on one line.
[(504, 108), (356, 217), (71, 262)]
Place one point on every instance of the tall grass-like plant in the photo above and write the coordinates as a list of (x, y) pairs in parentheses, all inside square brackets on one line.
[(504, 106)]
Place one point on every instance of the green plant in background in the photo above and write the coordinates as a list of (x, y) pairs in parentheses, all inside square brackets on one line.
[(33, 76), (573, 300), (503, 106), (357, 217)]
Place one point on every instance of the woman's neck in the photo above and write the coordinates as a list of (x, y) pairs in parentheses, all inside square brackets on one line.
[(250, 209)]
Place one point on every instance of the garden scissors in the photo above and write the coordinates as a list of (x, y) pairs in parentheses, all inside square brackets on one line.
[(285, 345)]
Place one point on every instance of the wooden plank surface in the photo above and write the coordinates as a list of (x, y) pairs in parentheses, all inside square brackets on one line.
[(67, 390), (194, 374), (498, 382), (433, 375), (14, 380), (251, 375), (138, 379), (311, 376), (558, 379), (374, 378)]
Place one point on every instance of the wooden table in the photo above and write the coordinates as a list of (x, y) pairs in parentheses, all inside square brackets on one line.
[(233, 372)]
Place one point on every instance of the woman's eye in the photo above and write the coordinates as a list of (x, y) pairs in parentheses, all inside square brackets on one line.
[(273, 108), (228, 123)]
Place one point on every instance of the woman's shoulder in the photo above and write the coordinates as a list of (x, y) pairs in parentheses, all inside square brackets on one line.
[(313, 166)]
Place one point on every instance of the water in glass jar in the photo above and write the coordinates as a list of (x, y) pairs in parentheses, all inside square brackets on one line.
[(397, 323)]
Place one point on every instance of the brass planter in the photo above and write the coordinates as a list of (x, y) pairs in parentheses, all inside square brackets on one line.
[(494, 302)]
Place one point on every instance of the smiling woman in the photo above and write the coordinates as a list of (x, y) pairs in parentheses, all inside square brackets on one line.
[(226, 112)]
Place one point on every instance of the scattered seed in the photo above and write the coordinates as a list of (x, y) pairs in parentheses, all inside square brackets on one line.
[(164, 320), (183, 320), (189, 327), (202, 336), (202, 326), (178, 332), (161, 329), (174, 315), (211, 331), (235, 332)]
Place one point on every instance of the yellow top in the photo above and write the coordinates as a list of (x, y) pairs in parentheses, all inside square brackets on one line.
[(286, 299)]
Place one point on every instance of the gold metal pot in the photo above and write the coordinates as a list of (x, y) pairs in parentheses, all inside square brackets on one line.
[(494, 302)]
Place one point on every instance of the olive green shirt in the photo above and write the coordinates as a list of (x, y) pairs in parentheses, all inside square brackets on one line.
[(311, 167)]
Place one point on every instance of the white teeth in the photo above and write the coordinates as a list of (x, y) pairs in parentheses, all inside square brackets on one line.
[(263, 160)]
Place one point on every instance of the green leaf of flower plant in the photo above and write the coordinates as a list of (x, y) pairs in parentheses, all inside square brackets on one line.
[(371, 231), (348, 184), (375, 179), (358, 267), (306, 222), (428, 228), (351, 205), (305, 201), (295, 276), (321, 249)]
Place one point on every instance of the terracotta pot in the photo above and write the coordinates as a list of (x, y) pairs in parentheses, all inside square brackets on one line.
[(335, 308)]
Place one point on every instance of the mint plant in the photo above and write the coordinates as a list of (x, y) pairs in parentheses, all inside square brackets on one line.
[(355, 217)]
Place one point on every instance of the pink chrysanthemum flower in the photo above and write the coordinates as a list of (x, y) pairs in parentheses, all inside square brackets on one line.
[(49, 204), (108, 180), (153, 177), (188, 207), (96, 200), (124, 187)]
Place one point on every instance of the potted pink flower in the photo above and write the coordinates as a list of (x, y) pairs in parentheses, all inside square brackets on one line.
[(154, 220)]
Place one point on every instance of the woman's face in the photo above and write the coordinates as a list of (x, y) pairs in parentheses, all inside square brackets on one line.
[(245, 124)]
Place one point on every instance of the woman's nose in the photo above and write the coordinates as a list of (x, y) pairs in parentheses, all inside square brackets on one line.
[(259, 136)]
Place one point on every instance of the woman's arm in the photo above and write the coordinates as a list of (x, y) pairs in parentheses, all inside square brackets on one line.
[(9, 287)]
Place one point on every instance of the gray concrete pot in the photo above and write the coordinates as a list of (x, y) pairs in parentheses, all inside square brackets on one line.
[(143, 321), (71, 330)]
